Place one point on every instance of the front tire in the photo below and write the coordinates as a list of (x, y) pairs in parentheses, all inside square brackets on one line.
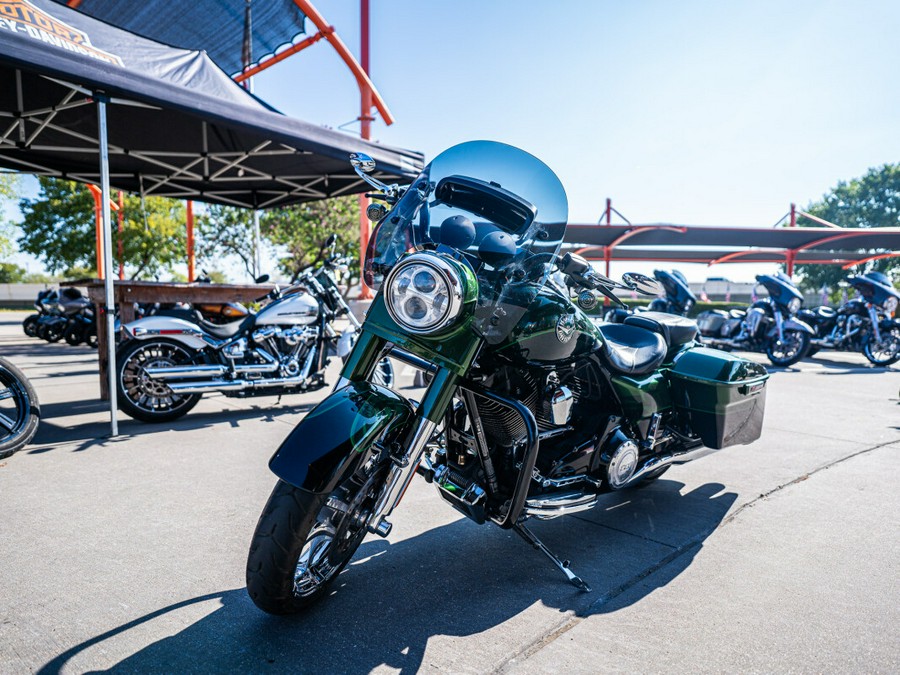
[(146, 399), (20, 411), (29, 325), (885, 351), (74, 336), (304, 540), (787, 353)]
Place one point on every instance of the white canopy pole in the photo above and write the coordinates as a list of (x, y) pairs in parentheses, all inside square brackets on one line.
[(107, 268)]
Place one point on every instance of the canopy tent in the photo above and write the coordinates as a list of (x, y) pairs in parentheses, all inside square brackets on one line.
[(712, 245), (179, 127), (83, 100), (214, 25)]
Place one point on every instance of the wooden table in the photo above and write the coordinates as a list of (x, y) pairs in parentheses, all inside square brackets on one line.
[(126, 293)]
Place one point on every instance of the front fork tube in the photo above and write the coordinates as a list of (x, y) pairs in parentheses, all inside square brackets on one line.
[(779, 324), (362, 360), (873, 318)]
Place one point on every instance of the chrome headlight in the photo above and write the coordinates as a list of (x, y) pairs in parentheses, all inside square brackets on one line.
[(424, 293), (794, 305), (890, 305)]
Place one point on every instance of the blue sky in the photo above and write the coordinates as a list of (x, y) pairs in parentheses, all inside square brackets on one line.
[(687, 112)]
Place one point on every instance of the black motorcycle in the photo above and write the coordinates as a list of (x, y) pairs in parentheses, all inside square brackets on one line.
[(769, 325), (81, 322), (679, 299), (867, 324), (30, 324), (19, 409)]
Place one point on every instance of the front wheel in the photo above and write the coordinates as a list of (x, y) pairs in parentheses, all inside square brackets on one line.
[(787, 352), (885, 351), (146, 399), (74, 336), (19, 409), (29, 325), (303, 541)]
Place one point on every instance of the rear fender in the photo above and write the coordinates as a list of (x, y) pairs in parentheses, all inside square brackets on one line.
[(792, 324), (185, 332), (336, 435)]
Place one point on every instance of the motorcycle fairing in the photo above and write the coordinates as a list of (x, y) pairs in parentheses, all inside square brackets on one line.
[(334, 437)]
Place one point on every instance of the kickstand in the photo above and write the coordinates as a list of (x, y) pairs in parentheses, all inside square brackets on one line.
[(563, 565)]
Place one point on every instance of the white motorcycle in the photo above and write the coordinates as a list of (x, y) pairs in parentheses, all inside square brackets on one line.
[(166, 363)]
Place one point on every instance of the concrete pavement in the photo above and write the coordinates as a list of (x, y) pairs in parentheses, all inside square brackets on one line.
[(128, 554)]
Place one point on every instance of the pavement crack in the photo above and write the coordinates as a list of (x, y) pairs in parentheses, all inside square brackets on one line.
[(621, 531), (564, 627)]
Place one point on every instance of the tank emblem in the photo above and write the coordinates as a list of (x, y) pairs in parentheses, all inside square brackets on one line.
[(565, 328)]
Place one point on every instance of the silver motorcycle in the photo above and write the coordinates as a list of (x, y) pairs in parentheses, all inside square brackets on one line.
[(166, 363)]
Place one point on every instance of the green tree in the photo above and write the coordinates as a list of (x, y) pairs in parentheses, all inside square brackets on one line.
[(9, 185), (10, 273), (870, 201), (59, 227), (226, 231), (302, 229)]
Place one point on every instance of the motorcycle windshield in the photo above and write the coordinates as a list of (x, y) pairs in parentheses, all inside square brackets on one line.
[(780, 287), (518, 208)]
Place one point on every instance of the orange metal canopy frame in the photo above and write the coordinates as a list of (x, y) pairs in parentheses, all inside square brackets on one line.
[(715, 245)]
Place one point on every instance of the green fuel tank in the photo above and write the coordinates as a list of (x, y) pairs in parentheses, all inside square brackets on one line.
[(552, 330)]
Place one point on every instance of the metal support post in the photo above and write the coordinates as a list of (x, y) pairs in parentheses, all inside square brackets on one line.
[(109, 309)]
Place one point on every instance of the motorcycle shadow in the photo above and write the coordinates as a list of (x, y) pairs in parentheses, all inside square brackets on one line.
[(457, 580), (87, 434), (860, 367)]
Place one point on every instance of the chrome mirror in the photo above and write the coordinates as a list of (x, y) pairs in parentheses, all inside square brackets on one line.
[(363, 165), (641, 283), (362, 162)]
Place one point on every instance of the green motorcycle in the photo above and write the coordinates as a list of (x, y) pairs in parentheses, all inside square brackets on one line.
[(532, 410)]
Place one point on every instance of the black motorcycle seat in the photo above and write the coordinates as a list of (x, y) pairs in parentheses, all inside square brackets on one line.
[(676, 330), (227, 330), (737, 313), (630, 350)]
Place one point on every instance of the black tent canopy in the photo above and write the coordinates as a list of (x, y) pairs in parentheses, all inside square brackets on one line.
[(81, 99), (178, 126)]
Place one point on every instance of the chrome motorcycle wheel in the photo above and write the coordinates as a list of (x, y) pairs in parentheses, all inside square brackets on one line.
[(303, 541), (885, 351), (19, 409), (147, 399), (787, 352)]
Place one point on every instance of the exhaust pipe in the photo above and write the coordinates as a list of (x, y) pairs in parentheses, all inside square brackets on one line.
[(181, 372), (551, 506), (205, 387), (185, 372)]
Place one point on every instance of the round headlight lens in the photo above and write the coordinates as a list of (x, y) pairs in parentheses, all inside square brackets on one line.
[(424, 294), (890, 305), (794, 305)]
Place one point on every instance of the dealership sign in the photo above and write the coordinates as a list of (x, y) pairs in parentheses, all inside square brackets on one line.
[(20, 16)]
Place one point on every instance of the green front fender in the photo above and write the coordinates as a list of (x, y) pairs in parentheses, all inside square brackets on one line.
[(336, 435)]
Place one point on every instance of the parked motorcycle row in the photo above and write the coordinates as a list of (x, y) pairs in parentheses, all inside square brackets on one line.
[(62, 314), (782, 329)]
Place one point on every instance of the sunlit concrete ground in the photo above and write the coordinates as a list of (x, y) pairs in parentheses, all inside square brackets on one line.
[(128, 554)]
